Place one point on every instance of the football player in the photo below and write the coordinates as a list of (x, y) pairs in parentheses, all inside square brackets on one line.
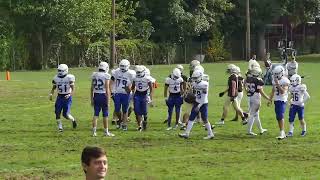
[(174, 84), (279, 92), (232, 91), (112, 90), (64, 83), (201, 90), (154, 85), (254, 88), (299, 97), (240, 91), (141, 85), (292, 67), (100, 97), (122, 80)]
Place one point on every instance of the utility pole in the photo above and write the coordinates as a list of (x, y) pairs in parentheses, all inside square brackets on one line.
[(248, 38), (112, 38)]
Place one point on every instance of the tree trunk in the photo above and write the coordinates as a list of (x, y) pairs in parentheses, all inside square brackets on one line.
[(40, 39), (303, 38), (34, 60), (261, 44)]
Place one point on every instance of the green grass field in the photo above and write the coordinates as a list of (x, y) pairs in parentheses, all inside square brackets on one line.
[(31, 147)]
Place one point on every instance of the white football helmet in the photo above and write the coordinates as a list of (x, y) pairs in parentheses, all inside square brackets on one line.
[(180, 67), (176, 73), (231, 69), (295, 80), (103, 66), (253, 64), (124, 65), (256, 71), (193, 64), (278, 72), (238, 70), (140, 71), (62, 70), (197, 76), (199, 68)]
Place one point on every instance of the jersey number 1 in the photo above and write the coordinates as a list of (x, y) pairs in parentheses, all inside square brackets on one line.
[(60, 88)]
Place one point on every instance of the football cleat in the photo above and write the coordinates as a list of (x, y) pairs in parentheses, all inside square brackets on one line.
[(281, 137), (220, 123), (263, 131), (144, 125), (139, 128), (74, 124), (165, 121), (94, 134), (169, 128), (124, 127), (211, 136), (303, 133), (251, 134), (244, 122), (290, 134), (184, 135), (60, 129), (109, 134)]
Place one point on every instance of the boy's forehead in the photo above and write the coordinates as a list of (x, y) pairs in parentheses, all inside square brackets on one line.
[(101, 158)]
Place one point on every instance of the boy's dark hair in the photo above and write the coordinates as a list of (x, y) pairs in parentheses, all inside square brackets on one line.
[(89, 153)]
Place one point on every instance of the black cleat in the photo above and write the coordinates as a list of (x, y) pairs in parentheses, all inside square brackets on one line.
[(144, 125), (165, 121), (74, 124)]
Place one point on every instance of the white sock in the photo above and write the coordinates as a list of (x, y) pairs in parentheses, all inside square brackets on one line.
[(291, 127), (94, 129), (70, 117), (282, 133), (304, 127), (250, 123), (106, 130), (208, 126), (189, 127), (257, 120), (59, 123)]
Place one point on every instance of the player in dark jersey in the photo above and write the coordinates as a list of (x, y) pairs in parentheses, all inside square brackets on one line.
[(232, 92), (254, 88), (240, 92)]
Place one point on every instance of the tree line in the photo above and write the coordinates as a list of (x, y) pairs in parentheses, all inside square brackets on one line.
[(39, 34)]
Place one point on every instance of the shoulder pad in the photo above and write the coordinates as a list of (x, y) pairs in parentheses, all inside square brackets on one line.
[(303, 87), (71, 77)]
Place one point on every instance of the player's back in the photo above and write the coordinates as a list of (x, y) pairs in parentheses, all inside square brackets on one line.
[(253, 84), (99, 81), (122, 80)]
